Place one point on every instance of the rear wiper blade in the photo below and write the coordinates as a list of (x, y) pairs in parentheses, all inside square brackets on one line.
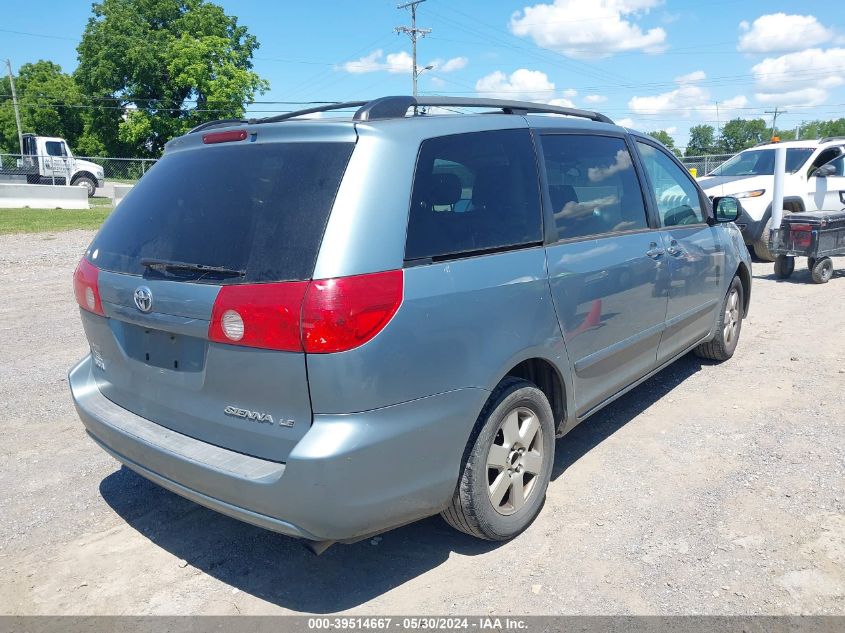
[(164, 264)]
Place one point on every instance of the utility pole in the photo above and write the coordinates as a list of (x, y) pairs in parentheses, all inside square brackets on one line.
[(15, 105), (718, 126), (775, 114), (414, 33)]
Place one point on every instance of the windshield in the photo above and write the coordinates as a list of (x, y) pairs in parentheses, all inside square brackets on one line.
[(257, 209), (761, 162)]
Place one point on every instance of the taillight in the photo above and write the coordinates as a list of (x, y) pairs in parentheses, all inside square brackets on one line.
[(224, 137), (344, 313), (318, 317), (259, 315), (86, 288), (801, 234)]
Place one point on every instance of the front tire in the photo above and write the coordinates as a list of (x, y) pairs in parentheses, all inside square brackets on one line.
[(784, 266), (85, 181), (507, 464), (761, 246), (728, 326)]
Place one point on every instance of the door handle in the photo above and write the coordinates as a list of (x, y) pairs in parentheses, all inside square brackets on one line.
[(675, 249), (655, 252)]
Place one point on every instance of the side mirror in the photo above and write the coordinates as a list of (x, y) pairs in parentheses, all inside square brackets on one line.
[(824, 171), (726, 208)]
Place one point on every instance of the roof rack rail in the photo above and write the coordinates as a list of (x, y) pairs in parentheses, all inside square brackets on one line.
[(342, 105), (828, 139), (397, 107), (208, 124)]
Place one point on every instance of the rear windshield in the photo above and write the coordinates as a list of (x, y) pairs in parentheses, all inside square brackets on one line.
[(761, 162), (257, 208)]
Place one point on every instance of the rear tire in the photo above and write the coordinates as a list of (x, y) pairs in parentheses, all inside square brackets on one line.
[(507, 464), (784, 266), (823, 270), (728, 326)]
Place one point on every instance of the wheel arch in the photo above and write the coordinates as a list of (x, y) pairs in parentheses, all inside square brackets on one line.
[(83, 174), (793, 204), (543, 373), (745, 279)]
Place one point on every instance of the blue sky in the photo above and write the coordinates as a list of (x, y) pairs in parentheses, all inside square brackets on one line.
[(653, 64)]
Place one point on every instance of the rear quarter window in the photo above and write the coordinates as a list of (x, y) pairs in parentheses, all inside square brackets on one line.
[(260, 208), (473, 193)]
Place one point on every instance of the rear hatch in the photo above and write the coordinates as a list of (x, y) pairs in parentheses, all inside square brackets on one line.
[(205, 217)]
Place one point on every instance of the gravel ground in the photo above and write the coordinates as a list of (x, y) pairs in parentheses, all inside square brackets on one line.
[(708, 490)]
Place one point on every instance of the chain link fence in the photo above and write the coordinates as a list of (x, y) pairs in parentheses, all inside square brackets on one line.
[(56, 168), (129, 170), (703, 165)]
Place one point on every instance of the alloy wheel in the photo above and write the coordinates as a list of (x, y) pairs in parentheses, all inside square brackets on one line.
[(514, 461), (732, 317)]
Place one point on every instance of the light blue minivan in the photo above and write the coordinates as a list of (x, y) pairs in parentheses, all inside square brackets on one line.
[(331, 327)]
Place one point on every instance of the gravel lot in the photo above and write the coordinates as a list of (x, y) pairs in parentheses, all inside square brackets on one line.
[(708, 490)]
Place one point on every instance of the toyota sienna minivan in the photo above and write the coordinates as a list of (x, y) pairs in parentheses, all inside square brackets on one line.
[(331, 327)]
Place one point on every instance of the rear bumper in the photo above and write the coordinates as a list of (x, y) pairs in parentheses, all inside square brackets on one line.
[(351, 475)]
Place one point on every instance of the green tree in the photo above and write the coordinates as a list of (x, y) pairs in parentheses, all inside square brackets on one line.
[(160, 67), (664, 137), (740, 134), (50, 104), (821, 129), (702, 140)]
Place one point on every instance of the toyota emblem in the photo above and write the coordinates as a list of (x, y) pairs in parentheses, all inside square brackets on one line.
[(143, 299)]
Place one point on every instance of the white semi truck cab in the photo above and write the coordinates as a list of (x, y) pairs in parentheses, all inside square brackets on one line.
[(48, 160)]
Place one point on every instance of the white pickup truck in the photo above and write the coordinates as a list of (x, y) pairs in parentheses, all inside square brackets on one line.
[(48, 160), (815, 179)]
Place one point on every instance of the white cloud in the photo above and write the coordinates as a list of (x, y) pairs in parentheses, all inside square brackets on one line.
[(802, 97), (589, 29), (691, 78), (524, 85), (813, 67), (367, 64), (626, 122), (680, 100), (595, 99), (800, 78), (782, 32), (622, 162), (529, 85), (686, 100), (398, 63), (451, 65), (724, 110)]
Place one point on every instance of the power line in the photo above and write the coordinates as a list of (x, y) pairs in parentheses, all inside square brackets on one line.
[(51, 37)]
